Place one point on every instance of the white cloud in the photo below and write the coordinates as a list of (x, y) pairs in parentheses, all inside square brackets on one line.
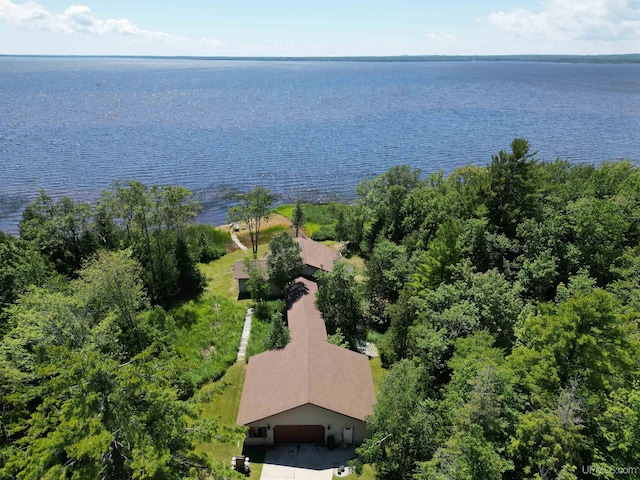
[(563, 20), (441, 37), (78, 19)]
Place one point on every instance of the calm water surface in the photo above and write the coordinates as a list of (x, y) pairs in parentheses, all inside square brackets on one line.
[(309, 129)]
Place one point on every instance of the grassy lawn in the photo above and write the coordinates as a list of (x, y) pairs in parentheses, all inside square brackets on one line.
[(368, 473), (224, 404), (377, 372)]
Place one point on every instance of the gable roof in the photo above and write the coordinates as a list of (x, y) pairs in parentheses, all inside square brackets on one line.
[(240, 271), (306, 371), (316, 254)]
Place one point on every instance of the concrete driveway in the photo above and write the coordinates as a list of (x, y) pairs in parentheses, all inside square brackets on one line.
[(303, 462)]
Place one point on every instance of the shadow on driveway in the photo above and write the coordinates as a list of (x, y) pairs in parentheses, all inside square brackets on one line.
[(304, 462)]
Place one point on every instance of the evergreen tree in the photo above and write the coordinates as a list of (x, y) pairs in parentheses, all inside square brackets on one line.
[(298, 217)]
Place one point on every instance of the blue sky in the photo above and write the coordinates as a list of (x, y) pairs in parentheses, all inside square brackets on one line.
[(319, 28)]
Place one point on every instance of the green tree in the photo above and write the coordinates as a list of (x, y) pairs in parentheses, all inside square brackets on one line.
[(442, 255), (619, 424), (298, 217), (465, 456), (258, 287), (279, 334), (514, 191), (88, 388), (388, 269), (338, 299), (403, 426), (20, 267), (381, 200), (599, 229), (254, 207), (152, 222), (588, 336), (61, 231), (338, 339), (284, 262), (100, 418)]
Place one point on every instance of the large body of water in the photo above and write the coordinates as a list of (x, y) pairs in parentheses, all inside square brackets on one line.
[(71, 126)]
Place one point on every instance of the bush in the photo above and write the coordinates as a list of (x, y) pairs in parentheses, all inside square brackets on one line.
[(207, 243), (326, 232), (206, 338)]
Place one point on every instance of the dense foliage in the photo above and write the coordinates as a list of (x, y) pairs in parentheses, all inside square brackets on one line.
[(154, 222), (508, 296), (96, 378)]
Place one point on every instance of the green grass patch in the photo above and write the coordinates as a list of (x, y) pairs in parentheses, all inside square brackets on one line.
[(317, 216), (207, 337), (368, 473), (266, 234), (285, 211), (258, 339), (261, 328), (223, 403), (377, 372)]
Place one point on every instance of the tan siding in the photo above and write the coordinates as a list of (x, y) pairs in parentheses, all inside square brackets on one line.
[(311, 415)]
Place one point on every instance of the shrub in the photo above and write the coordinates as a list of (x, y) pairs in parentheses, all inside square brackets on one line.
[(326, 232), (207, 243)]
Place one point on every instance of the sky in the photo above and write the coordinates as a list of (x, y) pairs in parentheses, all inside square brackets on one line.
[(319, 28)]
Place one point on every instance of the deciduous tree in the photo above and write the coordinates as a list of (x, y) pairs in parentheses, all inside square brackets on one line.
[(339, 301), (254, 207), (285, 261)]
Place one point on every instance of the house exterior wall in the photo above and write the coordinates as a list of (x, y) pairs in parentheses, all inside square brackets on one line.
[(310, 415), (243, 291), (308, 271)]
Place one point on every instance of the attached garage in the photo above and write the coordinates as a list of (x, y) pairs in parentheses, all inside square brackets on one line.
[(298, 434), (309, 390)]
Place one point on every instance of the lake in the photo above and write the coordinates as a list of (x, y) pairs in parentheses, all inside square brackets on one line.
[(313, 129)]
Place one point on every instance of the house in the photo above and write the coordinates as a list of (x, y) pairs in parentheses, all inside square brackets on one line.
[(315, 256), (310, 389), (241, 274)]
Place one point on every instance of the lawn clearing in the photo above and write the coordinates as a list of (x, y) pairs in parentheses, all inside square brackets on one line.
[(377, 372), (224, 404)]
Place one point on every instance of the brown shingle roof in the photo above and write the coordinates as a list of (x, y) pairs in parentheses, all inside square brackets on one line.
[(316, 254), (240, 269), (313, 253), (305, 320), (307, 371)]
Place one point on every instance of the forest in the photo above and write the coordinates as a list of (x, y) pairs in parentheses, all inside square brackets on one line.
[(98, 370), (506, 301), (503, 298)]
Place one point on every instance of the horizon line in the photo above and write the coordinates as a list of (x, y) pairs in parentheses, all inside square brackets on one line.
[(626, 57)]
